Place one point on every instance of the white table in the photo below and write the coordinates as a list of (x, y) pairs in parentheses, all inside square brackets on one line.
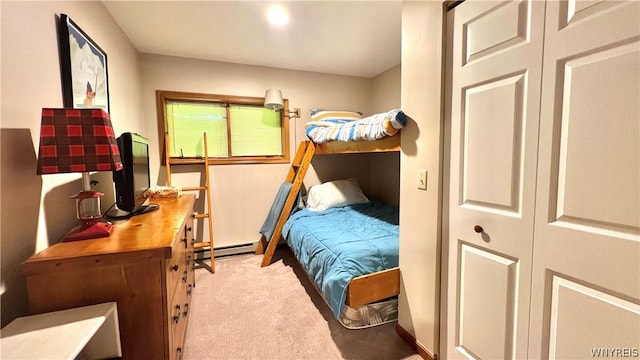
[(90, 331)]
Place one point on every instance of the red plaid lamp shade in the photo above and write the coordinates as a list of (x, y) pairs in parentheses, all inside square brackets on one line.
[(77, 140)]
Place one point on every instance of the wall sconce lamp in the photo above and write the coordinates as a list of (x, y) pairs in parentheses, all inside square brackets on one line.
[(273, 100), (80, 140)]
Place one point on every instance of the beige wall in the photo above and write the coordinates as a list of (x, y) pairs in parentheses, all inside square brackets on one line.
[(385, 90), (421, 149), (36, 210), (385, 96)]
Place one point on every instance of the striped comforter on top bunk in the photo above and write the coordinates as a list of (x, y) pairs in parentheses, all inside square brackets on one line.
[(345, 126)]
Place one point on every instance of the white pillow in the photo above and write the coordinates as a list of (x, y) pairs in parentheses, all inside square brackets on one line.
[(335, 194)]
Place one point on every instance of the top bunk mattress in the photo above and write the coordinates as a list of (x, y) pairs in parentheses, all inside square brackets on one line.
[(336, 245), (343, 126)]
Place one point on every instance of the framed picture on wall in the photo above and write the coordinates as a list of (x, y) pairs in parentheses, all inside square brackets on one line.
[(83, 65)]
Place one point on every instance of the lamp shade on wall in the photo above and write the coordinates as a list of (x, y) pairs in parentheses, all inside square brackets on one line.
[(77, 140), (273, 99)]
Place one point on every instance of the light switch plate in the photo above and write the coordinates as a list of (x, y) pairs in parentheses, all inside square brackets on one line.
[(422, 179)]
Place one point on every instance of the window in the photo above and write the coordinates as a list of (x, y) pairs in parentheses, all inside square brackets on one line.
[(239, 129)]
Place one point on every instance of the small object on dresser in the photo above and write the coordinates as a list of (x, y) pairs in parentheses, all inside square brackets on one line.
[(164, 192)]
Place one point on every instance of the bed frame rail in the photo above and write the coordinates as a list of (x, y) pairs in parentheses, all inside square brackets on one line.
[(386, 144), (373, 287)]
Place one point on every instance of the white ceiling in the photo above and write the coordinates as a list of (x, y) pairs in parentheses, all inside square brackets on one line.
[(358, 38)]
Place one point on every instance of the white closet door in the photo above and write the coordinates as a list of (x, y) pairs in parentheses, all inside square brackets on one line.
[(586, 276), (495, 98)]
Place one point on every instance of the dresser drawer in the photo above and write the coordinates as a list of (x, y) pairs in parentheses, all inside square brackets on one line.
[(180, 285), (179, 308), (181, 261), (178, 317)]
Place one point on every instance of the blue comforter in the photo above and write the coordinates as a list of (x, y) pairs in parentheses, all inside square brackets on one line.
[(338, 244)]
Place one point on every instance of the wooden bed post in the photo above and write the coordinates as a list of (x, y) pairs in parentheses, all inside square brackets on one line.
[(295, 176)]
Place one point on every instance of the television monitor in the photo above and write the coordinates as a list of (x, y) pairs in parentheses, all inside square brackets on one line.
[(133, 181)]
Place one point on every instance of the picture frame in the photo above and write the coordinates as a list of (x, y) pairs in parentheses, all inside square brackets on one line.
[(83, 67)]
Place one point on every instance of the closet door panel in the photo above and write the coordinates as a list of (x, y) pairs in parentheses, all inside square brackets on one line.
[(485, 304), (595, 123), (586, 275), (492, 144), (496, 29), (577, 315), (494, 105)]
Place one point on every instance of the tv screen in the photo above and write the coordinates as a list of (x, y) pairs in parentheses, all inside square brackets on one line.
[(133, 181)]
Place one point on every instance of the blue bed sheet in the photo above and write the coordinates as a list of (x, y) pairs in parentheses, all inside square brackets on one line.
[(338, 244)]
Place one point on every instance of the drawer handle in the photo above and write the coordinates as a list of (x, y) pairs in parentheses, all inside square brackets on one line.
[(176, 316), (189, 289), (188, 259), (175, 267), (184, 276), (478, 229), (179, 352), (189, 228), (186, 310)]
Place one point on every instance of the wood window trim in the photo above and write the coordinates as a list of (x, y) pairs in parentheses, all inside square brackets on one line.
[(162, 96)]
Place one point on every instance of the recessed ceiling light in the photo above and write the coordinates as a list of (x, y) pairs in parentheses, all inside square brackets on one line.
[(277, 15)]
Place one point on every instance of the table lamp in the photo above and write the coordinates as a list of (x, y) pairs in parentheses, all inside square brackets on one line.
[(80, 140)]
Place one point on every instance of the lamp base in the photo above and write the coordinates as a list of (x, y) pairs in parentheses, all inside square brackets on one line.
[(89, 231)]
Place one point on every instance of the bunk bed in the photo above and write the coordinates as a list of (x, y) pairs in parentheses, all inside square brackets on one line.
[(359, 297)]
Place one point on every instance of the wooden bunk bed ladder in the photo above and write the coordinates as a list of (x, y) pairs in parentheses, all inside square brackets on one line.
[(295, 176), (199, 246)]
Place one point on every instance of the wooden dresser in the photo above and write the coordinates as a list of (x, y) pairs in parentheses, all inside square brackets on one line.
[(146, 266)]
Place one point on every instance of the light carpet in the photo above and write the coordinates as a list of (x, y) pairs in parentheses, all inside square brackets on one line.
[(244, 311)]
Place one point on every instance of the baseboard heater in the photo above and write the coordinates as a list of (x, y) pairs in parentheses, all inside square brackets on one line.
[(226, 251)]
